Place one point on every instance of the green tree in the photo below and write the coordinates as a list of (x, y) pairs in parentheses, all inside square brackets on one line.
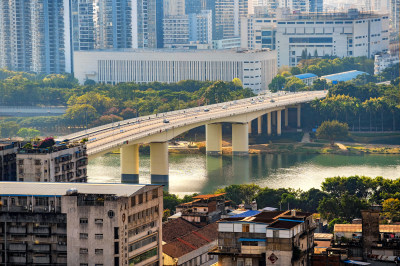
[(294, 84), (9, 129), (28, 133), (332, 130), (244, 193), (79, 114), (391, 209), (295, 71), (237, 82), (277, 83), (331, 224)]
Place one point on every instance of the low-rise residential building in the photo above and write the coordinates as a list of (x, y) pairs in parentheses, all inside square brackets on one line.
[(192, 248), (80, 224), (343, 76), (8, 166), (307, 78), (383, 61), (265, 238), (204, 209), (64, 162)]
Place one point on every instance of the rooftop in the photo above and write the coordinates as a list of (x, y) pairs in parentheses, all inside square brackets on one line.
[(176, 228), (283, 224), (246, 214), (208, 196), (344, 76), (191, 241), (305, 76), (54, 189)]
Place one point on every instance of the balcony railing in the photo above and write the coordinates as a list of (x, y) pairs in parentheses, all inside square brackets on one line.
[(17, 247), (41, 259), (253, 249), (18, 260), (17, 230)]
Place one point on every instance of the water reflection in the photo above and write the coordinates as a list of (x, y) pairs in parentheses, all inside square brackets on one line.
[(205, 174)]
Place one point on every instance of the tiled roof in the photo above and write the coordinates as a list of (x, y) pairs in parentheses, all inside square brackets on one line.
[(283, 224), (357, 228), (176, 228), (191, 241), (208, 196)]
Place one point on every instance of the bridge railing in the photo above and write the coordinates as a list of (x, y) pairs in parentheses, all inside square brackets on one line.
[(141, 134)]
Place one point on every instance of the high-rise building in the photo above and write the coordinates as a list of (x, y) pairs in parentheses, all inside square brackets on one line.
[(35, 36), (176, 31), (394, 16), (8, 161), (83, 30), (306, 6), (258, 33), (200, 27), (227, 17), (80, 224)]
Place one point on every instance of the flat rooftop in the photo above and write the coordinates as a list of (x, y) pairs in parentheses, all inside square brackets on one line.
[(59, 189), (344, 76), (174, 51)]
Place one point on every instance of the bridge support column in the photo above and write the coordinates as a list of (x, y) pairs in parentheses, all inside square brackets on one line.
[(286, 117), (259, 124), (250, 127), (279, 122), (240, 139), (298, 115), (214, 139), (159, 162), (269, 128), (130, 164)]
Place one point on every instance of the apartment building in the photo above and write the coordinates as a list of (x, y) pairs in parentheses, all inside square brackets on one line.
[(227, 17), (35, 36), (8, 161), (348, 34), (258, 33), (265, 238), (65, 162), (204, 209), (80, 224), (254, 68), (83, 24)]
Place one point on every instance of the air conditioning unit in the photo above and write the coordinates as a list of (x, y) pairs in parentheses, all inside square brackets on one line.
[(45, 209), (52, 209), (25, 207), (219, 247)]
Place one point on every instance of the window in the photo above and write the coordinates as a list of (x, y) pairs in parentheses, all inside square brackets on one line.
[(155, 193), (245, 228), (111, 214), (144, 256), (98, 236), (98, 251), (98, 221), (275, 234), (83, 251), (141, 243), (83, 220), (83, 236), (133, 201), (140, 198), (116, 234)]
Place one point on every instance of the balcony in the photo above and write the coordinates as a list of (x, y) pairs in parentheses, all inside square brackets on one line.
[(17, 247), (41, 231), (41, 259), (18, 260), (41, 248), (17, 230), (254, 250)]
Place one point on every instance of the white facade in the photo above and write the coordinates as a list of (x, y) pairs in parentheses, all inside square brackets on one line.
[(254, 68), (200, 27), (341, 36), (226, 43), (258, 33), (384, 61), (176, 30)]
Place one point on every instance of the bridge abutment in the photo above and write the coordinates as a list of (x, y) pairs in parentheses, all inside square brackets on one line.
[(159, 169), (214, 139), (240, 139), (130, 164)]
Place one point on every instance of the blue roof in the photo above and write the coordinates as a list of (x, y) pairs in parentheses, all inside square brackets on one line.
[(246, 214), (305, 76), (344, 76), (253, 239)]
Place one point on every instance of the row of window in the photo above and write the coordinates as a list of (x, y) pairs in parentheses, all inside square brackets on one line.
[(142, 198), (86, 221), (144, 256), (142, 214), (143, 242), (97, 251), (86, 236), (141, 228)]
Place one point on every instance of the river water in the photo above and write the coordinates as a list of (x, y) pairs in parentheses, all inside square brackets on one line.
[(204, 174)]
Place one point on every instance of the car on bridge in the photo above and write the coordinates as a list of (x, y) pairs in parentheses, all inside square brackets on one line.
[(166, 121)]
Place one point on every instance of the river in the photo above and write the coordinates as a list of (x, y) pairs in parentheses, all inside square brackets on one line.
[(204, 174)]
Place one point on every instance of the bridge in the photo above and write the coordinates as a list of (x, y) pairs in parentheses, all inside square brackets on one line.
[(29, 111), (158, 129)]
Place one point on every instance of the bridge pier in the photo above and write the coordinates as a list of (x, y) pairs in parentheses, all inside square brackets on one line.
[(214, 139), (240, 139), (279, 122), (130, 163), (259, 125), (286, 117), (250, 127), (269, 129), (299, 116), (159, 162)]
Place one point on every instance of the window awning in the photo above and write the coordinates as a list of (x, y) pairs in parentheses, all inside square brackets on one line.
[(252, 239), (356, 262)]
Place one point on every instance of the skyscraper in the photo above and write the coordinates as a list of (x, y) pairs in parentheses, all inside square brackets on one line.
[(35, 36), (227, 17), (83, 30)]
